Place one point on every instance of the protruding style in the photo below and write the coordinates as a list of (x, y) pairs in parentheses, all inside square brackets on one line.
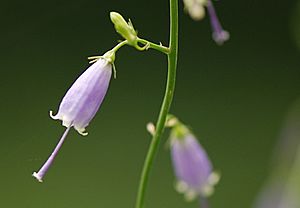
[(219, 35), (196, 10), (40, 174)]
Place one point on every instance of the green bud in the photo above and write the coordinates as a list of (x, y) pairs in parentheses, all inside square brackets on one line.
[(126, 30)]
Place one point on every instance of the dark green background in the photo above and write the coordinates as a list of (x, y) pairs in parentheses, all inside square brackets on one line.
[(235, 98)]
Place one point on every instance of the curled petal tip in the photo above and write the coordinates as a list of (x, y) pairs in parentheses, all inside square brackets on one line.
[(181, 187), (37, 177), (190, 195), (52, 116), (66, 123), (82, 132), (214, 178), (207, 190)]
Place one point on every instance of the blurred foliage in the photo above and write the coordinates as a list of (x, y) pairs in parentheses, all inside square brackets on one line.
[(283, 186), (295, 23)]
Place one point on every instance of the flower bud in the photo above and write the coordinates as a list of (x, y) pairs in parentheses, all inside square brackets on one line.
[(126, 30)]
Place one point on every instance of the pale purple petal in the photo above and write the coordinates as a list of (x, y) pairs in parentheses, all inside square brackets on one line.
[(83, 99), (191, 163)]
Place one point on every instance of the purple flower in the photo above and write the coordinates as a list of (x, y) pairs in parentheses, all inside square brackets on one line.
[(83, 99), (219, 35), (80, 104), (192, 166)]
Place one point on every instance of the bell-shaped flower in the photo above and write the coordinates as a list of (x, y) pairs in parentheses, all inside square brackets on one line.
[(81, 102), (85, 96), (193, 169)]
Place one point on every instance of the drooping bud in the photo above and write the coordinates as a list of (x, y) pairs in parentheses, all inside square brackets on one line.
[(193, 169), (126, 30)]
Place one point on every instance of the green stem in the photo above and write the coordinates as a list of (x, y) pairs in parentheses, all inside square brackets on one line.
[(121, 44), (170, 86), (114, 50), (154, 46)]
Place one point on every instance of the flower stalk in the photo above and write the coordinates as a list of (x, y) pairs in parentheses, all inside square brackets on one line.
[(154, 46), (166, 104)]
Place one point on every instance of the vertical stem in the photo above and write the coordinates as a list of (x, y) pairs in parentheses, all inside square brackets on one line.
[(166, 104)]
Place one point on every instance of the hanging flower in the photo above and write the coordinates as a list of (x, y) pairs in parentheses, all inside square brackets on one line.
[(192, 166), (81, 102), (84, 98)]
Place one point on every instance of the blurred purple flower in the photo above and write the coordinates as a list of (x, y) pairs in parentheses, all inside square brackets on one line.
[(192, 166), (195, 8), (80, 104), (219, 35)]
